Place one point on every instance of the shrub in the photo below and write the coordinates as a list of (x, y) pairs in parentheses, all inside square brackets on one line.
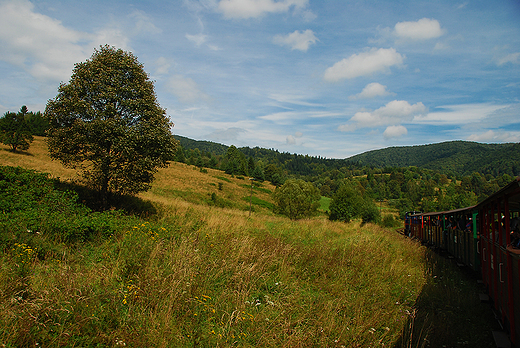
[(31, 205), (345, 204), (348, 203), (388, 220), (369, 211), (297, 199)]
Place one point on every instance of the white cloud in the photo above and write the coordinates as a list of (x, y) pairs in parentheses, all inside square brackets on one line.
[(392, 114), (185, 89), (423, 29), (492, 136), (366, 63), (291, 139), (113, 36), (440, 46), (198, 39), (297, 40), (143, 24), (163, 66), (349, 127), (395, 131), (37, 43), (460, 114), (256, 8), (48, 50), (510, 58), (371, 90)]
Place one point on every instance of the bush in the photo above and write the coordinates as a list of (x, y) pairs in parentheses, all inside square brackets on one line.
[(345, 204), (31, 206), (348, 203), (297, 199), (389, 221), (369, 211)]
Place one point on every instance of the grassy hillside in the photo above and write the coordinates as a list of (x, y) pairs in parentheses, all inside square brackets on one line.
[(199, 272)]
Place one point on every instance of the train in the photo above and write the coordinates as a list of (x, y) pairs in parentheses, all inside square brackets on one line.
[(486, 238)]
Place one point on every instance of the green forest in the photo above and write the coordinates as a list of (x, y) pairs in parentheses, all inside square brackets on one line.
[(433, 177)]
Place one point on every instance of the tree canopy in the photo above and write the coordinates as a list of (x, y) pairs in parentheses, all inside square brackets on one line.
[(107, 122), (348, 203), (297, 199), (15, 130)]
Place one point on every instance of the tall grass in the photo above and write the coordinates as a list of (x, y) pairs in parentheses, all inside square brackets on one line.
[(206, 277), (199, 275)]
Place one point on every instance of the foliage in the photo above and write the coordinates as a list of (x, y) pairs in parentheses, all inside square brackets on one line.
[(15, 131), (461, 157), (346, 204), (369, 211), (37, 123), (235, 162), (441, 163), (388, 220), (107, 122), (297, 199), (31, 206)]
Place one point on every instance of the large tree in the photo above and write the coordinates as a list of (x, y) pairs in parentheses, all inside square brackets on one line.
[(15, 131), (106, 121)]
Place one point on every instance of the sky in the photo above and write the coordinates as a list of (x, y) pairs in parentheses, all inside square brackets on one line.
[(329, 78)]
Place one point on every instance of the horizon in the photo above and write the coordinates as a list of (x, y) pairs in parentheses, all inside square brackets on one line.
[(346, 158), (331, 78)]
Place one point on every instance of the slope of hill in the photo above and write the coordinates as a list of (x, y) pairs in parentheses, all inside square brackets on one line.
[(207, 146), (201, 273), (457, 157), (460, 157)]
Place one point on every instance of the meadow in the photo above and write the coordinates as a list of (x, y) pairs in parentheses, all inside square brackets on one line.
[(191, 268)]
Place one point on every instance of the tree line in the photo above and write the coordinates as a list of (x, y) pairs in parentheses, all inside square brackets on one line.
[(17, 129)]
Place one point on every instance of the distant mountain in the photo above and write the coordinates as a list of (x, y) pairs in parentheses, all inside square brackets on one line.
[(459, 157)]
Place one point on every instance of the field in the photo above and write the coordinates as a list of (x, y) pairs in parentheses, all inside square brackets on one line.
[(194, 269)]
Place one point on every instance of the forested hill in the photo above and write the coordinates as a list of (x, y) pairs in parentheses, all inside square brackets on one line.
[(207, 146), (456, 157), (459, 157)]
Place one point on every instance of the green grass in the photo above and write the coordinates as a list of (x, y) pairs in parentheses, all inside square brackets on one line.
[(256, 188), (194, 274), (258, 202), (223, 178), (324, 203)]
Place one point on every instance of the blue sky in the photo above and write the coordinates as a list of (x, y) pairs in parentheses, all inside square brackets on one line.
[(329, 78)]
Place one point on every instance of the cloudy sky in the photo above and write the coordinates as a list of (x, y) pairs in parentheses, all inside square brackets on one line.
[(331, 78)]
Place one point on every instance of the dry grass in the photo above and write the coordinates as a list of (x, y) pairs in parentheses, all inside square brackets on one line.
[(36, 158), (178, 182), (198, 275)]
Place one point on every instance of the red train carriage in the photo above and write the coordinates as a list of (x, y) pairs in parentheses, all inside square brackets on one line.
[(461, 235), (486, 238), (500, 261)]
